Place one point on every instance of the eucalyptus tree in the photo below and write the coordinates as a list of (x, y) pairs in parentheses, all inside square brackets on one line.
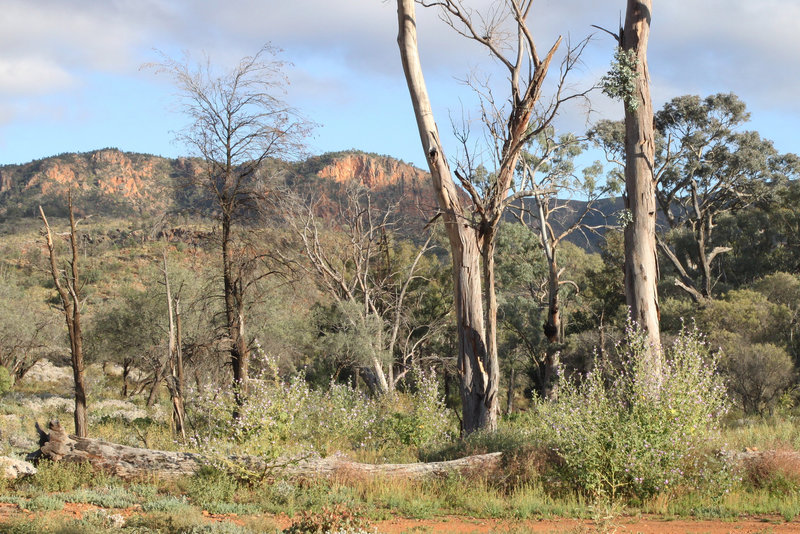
[(710, 168), (564, 203), (237, 122), (705, 168), (629, 81), (641, 258), (509, 123)]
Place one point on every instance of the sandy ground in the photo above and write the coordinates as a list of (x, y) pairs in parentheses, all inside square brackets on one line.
[(466, 525)]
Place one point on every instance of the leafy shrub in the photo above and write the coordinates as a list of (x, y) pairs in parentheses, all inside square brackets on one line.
[(210, 485), (336, 519), (67, 476), (166, 504), (618, 432), (219, 528), (758, 374), (284, 418), (113, 497), (45, 502), (6, 382)]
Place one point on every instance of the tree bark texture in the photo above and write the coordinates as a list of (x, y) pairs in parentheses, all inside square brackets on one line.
[(69, 292), (234, 312), (133, 462), (641, 261), (478, 384)]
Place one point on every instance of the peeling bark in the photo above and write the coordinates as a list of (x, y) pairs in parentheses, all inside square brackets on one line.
[(641, 258)]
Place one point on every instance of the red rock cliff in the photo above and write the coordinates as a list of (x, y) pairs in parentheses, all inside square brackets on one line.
[(374, 172)]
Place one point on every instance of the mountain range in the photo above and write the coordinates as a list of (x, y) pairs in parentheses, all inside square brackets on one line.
[(110, 182)]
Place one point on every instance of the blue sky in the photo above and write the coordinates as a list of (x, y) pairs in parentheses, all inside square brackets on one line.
[(71, 77)]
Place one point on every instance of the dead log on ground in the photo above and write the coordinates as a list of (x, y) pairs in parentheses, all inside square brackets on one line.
[(133, 462)]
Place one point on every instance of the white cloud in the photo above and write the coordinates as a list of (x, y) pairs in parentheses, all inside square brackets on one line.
[(23, 77), (343, 49)]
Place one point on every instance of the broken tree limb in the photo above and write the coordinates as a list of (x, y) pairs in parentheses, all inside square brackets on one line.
[(133, 462)]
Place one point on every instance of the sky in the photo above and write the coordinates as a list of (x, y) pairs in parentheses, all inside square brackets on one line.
[(72, 76)]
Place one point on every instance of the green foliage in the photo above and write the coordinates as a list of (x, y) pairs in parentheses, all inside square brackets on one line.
[(30, 332), (285, 418), (336, 519), (66, 476), (169, 503), (130, 327), (107, 497), (210, 485), (753, 334), (6, 381), (747, 313), (620, 81), (619, 434), (45, 502), (758, 374)]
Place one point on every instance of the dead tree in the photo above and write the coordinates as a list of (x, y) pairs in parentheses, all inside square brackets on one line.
[(357, 272), (68, 287), (135, 463), (175, 379), (237, 123), (472, 230)]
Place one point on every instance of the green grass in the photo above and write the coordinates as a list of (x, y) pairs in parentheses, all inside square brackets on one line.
[(764, 433)]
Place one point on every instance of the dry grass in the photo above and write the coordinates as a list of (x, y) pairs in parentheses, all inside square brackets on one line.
[(777, 471)]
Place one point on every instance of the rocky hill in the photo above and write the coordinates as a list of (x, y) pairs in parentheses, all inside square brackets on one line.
[(113, 183), (104, 182), (110, 182)]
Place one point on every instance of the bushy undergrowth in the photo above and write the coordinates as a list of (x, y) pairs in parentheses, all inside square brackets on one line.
[(620, 432), (283, 418)]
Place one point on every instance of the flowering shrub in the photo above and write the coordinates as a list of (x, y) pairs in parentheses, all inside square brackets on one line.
[(620, 432), (289, 418), (330, 520)]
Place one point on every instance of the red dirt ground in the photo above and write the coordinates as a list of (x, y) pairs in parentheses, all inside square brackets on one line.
[(466, 525)]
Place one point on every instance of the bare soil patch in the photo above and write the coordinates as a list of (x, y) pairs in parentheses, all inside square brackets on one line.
[(467, 525)]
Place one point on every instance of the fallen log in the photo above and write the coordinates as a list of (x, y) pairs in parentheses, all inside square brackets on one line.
[(133, 462)]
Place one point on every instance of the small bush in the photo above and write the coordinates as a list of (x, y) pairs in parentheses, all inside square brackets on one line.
[(6, 381), (329, 520), (622, 432), (219, 528), (113, 497), (67, 476), (758, 374), (166, 504), (45, 502), (778, 472), (210, 485), (177, 521)]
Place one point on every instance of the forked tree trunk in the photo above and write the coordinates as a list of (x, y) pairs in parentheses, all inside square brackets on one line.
[(69, 292), (479, 406), (552, 327), (172, 357), (641, 261)]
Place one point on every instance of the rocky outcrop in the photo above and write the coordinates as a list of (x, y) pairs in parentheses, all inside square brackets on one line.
[(103, 182), (117, 183), (373, 172), (11, 468)]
